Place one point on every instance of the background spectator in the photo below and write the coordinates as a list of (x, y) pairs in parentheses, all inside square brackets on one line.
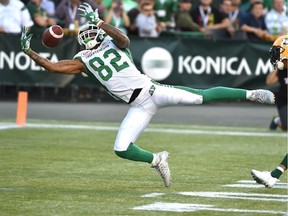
[(96, 4), (225, 7), (276, 19), (128, 4), (246, 5), (67, 12), (117, 16), (13, 16), (234, 17), (208, 17), (166, 11), (253, 23), (146, 22), (40, 17), (132, 14), (49, 7), (184, 21)]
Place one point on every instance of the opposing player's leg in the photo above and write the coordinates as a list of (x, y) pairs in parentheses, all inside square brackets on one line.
[(131, 128), (283, 117), (267, 178), (228, 94), (264, 177)]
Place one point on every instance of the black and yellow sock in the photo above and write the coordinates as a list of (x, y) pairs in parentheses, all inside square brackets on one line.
[(218, 93), (135, 153)]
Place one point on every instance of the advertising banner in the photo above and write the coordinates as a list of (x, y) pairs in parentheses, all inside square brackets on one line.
[(194, 62)]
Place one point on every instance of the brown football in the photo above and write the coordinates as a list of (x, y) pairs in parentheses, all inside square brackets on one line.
[(52, 36)]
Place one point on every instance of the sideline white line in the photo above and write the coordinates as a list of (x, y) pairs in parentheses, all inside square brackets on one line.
[(190, 207), (153, 195), (253, 184), (4, 126), (277, 185), (153, 130), (241, 196)]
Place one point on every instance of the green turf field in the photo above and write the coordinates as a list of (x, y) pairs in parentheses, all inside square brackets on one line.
[(73, 171)]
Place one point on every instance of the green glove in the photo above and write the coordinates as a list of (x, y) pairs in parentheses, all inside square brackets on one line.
[(89, 14), (25, 40)]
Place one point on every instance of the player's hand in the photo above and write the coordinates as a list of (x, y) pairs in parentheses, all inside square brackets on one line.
[(25, 40), (89, 14)]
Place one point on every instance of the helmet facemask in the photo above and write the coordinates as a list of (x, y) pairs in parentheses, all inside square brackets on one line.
[(90, 35), (279, 53), (275, 52)]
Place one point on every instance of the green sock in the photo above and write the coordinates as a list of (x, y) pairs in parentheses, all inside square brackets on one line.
[(135, 153), (217, 93), (284, 162), (276, 173)]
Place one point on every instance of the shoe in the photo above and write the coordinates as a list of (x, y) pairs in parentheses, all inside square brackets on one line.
[(264, 177), (273, 125), (162, 168), (262, 96)]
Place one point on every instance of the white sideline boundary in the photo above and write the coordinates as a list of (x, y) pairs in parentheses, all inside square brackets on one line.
[(192, 207), (4, 126)]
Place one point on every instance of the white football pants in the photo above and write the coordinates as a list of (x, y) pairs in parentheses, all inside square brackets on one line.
[(145, 106)]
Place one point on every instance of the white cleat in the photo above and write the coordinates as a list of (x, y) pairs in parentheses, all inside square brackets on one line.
[(160, 163), (262, 96), (264, 177)]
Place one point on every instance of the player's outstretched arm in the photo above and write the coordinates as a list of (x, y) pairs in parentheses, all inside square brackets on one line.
[(65, 66), (122, 41)]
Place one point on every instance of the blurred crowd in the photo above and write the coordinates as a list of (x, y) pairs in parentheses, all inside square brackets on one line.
[(246, 19)]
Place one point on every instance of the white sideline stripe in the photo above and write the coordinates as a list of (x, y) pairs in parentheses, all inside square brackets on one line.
[(7, 126), (159, 130), (7, 189), (277, 185), (242, 196), (153, 195), (252, 181), (190, 207)]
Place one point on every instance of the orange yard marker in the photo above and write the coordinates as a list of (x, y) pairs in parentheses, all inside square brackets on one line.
[(22, 108)]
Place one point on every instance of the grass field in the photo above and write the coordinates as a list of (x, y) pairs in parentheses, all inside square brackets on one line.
[(53, 170)]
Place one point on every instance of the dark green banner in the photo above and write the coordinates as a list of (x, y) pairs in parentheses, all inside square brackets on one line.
[(16, 68), (203, 63), (194, 62)]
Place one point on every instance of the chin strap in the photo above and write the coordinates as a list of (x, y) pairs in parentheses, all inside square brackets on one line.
[(90, 44)]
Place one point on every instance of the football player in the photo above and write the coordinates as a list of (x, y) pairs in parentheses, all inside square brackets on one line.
[(107, 59), (279, 60)]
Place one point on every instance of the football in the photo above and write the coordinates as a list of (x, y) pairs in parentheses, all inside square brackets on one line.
[(52, 36)]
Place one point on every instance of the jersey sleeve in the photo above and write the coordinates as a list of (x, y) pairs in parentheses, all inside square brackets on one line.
[(78, 56)]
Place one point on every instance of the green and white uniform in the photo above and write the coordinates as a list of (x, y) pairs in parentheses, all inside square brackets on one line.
[(115, 70)]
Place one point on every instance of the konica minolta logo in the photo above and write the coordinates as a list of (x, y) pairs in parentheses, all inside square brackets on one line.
[(157, 63)]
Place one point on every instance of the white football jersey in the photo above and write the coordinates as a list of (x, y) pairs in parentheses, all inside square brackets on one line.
[(113, 68)]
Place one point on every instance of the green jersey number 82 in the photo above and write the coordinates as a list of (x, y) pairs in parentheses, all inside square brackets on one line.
[(104, 70)]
